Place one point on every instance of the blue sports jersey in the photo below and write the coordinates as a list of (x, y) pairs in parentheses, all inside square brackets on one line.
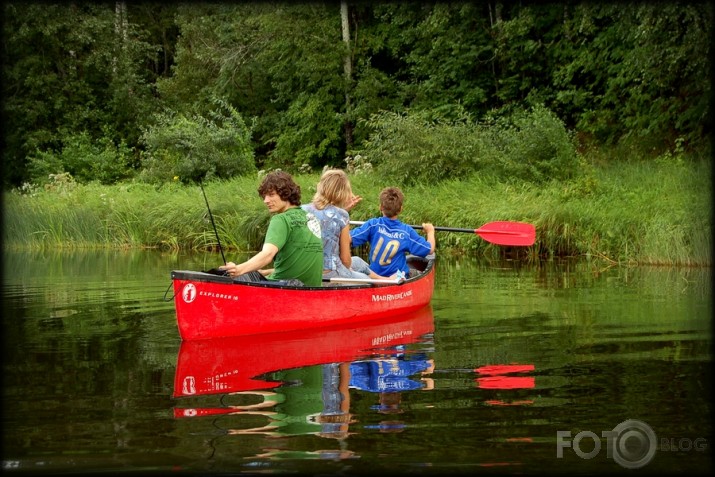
[(390, 241)]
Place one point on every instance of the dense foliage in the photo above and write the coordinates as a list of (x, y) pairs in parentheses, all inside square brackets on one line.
[(198, 147), (99, 90), (411, 148)]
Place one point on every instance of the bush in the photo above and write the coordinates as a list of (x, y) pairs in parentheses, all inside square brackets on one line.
[(419, 147), (195, 148), (84, 159), (308, 134), (533, 146), (416, 147)]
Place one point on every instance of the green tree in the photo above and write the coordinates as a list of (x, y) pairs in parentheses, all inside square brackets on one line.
[(418, 147), (280, 63), (82, 74), (636, 72), (195, 147), (68, 72)]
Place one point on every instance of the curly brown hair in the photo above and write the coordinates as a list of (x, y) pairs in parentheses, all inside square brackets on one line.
[(282, 184)]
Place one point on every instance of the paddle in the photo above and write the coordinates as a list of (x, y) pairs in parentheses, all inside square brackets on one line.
[(517, 234)]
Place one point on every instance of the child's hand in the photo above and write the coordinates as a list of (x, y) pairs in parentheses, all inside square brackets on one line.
[(353, 202), (428, 228)]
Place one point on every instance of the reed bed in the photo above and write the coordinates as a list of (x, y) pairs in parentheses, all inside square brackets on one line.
[(657, 213)]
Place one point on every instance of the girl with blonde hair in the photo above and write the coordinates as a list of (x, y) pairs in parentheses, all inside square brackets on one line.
[(330, 205)]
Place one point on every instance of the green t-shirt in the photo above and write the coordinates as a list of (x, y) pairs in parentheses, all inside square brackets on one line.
[(300, 248)]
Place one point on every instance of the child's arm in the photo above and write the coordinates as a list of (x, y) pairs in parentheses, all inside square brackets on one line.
[(344, 243), (429, 231)]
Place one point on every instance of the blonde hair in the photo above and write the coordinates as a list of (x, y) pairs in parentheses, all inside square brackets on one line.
[(333, 188)]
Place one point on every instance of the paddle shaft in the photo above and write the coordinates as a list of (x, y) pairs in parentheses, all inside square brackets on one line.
[(501, 233), (445, 229), (419, 227), (470, 231)]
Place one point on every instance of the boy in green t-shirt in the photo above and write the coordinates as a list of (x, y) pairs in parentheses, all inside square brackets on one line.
[(292, 241)]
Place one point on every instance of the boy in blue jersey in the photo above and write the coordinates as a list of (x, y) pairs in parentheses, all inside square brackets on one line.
[(390, 240)]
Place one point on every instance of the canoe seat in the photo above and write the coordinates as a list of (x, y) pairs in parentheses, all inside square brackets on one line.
[(418, 264)]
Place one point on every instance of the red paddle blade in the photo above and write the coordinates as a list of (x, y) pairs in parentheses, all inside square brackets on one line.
[(517, 234)]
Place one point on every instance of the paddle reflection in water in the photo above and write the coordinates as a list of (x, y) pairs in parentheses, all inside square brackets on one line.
[(506, 377)]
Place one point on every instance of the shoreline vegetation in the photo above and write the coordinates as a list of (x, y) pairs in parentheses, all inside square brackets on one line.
[(546, 114), (655, 212)]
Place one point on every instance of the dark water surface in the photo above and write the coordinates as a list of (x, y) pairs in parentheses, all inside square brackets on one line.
[(568, 368)]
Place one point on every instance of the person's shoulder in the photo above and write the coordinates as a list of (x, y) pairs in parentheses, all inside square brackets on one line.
[(341, 211), (368, 222), (374, 222), (336, 209), (396, 223), (365, 228), (290, 213), (408, 229)]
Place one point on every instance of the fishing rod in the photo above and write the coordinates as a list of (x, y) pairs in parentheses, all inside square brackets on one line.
[(212, 222), (214, 271)]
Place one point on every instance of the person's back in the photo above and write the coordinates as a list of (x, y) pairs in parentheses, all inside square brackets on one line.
[(390, 240), (332, 220), (291, 233)]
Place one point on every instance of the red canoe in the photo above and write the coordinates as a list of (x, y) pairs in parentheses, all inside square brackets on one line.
[(233, 364), (213, 306)]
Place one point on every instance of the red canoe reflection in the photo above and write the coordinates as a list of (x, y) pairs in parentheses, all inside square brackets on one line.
[(226, 365)]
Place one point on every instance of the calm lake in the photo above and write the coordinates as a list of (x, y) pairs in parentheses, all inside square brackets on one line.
[(515, 368)]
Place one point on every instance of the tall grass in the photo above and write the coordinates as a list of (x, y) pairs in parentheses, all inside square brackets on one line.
[(656, 212)]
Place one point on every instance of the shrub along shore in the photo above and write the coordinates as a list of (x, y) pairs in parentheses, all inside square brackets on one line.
[(657, 212)]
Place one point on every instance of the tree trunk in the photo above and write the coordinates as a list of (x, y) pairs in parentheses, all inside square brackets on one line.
[(347, 66), (120, 29), (495, 20)]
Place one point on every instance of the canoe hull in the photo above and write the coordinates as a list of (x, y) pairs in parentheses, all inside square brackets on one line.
[(211, 306)]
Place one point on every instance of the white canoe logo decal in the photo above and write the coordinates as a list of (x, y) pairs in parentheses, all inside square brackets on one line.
[(189, 385), (189, 293), (392, 296)]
